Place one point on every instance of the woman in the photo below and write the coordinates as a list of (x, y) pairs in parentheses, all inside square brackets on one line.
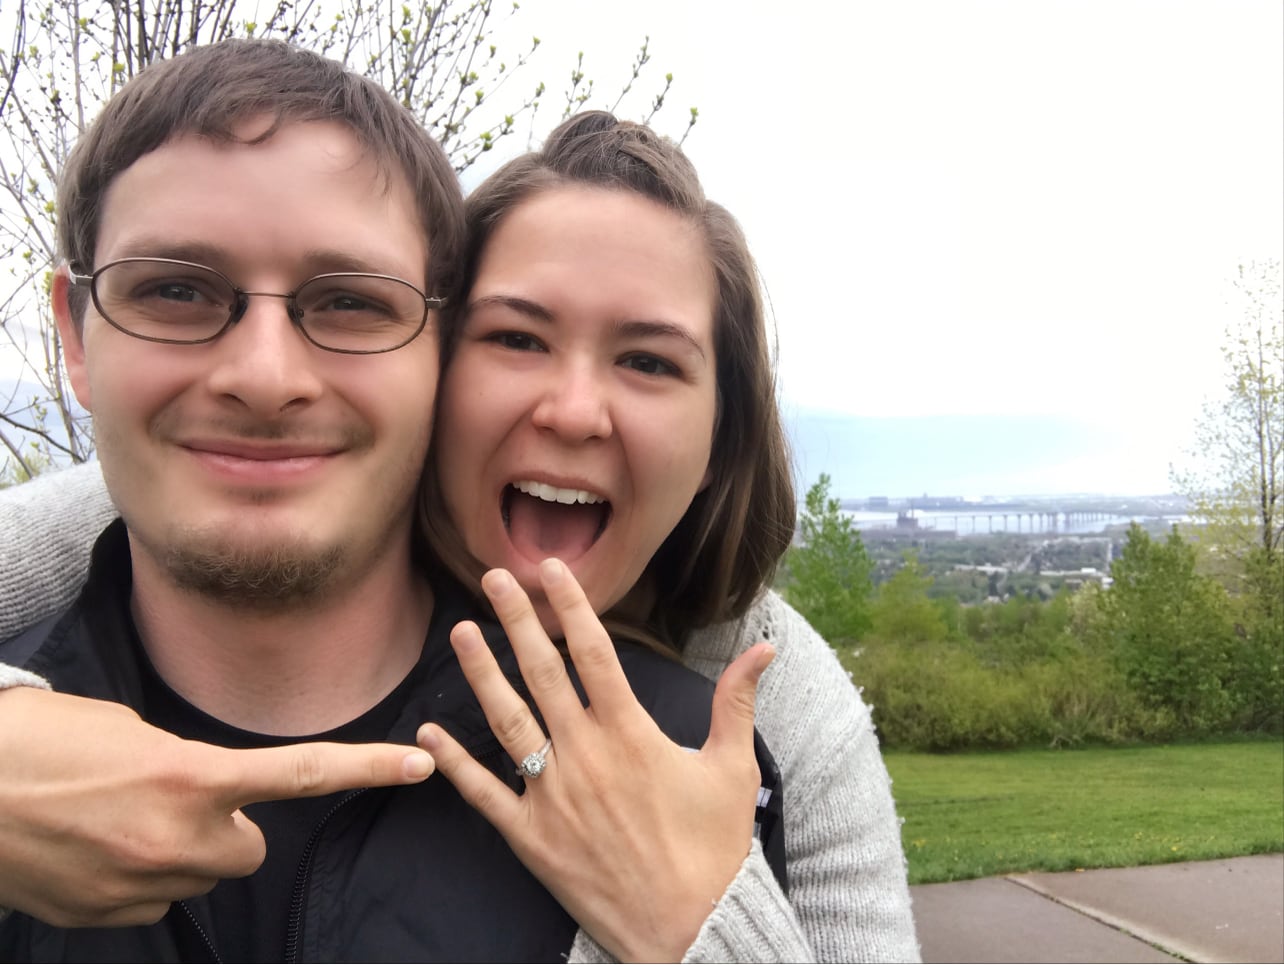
[(602, 287)]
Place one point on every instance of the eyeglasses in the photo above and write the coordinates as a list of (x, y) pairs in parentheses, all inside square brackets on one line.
[(179, 303)]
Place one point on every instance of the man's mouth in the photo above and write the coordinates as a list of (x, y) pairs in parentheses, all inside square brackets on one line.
[(544, 520)]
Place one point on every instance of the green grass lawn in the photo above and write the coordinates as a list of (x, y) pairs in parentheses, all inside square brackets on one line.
[(972, 815)]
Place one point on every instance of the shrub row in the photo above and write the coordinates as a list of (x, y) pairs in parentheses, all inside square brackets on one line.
[(943, 697)]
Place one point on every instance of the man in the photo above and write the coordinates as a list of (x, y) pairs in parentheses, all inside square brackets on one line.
[(255, 240), (264, 450)]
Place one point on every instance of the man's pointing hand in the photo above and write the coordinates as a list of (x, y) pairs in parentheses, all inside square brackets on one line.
[(109, 820)]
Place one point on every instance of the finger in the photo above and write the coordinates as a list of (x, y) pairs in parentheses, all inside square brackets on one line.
[(232, 847), (148, 901), (731, 724), (543, 667), (493, 799), (142, 913), (188, 855), (242, 777), (154, 896), (507, 713), (592, 651)]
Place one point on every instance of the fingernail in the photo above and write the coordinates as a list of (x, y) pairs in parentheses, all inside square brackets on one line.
[(498, 582), (767, 655), (552, 570), (466, 637), (417, 765)]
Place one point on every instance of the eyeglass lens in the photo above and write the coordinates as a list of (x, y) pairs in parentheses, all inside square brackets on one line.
[(186, 303)]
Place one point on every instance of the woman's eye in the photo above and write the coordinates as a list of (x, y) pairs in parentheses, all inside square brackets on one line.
[(517, 341), (650, 365)]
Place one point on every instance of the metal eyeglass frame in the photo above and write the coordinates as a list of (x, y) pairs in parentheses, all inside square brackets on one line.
[(242, 303)]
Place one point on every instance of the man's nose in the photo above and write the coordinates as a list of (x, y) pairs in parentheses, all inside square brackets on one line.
[(265, 361)]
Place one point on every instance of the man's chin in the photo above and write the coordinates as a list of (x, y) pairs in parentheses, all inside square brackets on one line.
[(255, 575)]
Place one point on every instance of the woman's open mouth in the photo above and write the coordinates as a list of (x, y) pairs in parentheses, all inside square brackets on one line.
[(544, 520)]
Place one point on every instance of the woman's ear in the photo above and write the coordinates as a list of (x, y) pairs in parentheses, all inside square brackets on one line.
[(72, 336)]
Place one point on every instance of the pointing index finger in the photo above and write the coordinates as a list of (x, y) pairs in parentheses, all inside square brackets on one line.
[(314, 769)]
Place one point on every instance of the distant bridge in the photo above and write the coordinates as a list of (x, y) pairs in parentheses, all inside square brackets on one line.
[(994, 520), (1010, 521)]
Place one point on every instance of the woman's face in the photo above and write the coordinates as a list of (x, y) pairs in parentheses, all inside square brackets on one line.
[(576, 416)]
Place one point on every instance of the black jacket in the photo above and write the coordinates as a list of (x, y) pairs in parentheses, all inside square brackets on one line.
[(388, 874)]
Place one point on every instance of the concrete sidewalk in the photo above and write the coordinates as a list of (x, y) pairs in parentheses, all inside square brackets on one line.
[(1200, 911)]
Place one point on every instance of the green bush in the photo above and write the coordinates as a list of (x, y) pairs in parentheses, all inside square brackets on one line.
[(828, 574), (1171, 633), (942, 697)]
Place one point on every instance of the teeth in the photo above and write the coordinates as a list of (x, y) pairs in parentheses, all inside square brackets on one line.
[(551, 494)]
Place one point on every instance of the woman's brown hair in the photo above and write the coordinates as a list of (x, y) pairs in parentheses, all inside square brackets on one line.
[(725, 548)]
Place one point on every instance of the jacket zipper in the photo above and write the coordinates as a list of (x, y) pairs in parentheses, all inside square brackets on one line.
[(304, 875), (481, 750), (191, 916)]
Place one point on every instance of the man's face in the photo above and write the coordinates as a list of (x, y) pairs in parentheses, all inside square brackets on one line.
[(259, 457)]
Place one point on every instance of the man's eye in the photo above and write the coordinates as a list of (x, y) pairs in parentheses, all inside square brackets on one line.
[(331, 302), (174, 291), (348, 303), (650, 365), (178, 293)]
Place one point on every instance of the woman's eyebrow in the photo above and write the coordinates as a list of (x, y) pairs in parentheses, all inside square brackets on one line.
[(637, 328), (523, 306), (629, 328)]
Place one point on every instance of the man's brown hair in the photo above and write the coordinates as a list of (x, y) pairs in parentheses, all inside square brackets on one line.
[(213, 89)]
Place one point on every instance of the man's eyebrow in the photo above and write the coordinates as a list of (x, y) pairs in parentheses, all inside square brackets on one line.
[(196, 252), (317, 261)]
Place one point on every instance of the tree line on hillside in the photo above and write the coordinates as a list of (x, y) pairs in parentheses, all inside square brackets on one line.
[(1167, 651), (1186, 641)]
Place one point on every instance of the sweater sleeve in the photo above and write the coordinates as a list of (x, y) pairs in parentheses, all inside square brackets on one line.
[(50, 525), (848, 892)]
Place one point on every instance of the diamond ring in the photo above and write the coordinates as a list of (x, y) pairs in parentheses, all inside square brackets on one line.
[(533, 765)]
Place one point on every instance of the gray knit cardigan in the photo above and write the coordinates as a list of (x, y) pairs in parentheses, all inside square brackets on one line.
[(848, 899)]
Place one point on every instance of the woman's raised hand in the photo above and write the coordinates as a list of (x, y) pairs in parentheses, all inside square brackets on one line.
[(636, 837)]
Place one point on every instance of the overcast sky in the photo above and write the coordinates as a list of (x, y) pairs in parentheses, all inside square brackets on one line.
[(976, 207), (1025, 208)]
